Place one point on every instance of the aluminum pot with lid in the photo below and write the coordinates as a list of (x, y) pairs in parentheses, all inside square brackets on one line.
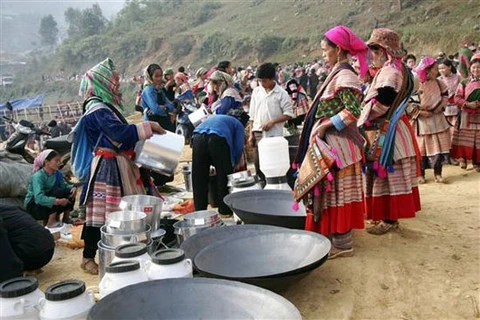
[(126, 222), (184, 230)]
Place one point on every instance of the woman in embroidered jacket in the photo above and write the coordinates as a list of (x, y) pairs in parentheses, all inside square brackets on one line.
[(391, 174), (431, 127), (449, 76), (334, 200), (112, 173), (466, 137)]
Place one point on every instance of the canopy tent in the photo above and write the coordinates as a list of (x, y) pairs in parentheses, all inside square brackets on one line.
[(33, 102)]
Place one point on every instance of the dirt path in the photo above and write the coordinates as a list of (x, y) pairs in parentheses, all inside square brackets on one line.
[(429, 269)]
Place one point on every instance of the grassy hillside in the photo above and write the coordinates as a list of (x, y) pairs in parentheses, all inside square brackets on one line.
[(202, 32)]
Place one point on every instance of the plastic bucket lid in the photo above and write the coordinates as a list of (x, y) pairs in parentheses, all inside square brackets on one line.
[(130, 250), (168, 256), (123, 266), (65, 290), (18, 287)]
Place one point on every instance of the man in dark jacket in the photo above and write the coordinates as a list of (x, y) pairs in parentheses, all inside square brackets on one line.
[(24, 244)]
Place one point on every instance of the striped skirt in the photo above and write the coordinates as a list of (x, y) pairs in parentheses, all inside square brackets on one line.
[(435, 146), (344, 208), (396, 196), (105, 193), (466, 145)]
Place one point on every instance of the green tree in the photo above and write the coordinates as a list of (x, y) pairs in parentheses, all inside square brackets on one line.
[(48, 30), (85, 23)]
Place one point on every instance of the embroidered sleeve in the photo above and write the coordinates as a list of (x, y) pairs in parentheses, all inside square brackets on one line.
[(351, 108)]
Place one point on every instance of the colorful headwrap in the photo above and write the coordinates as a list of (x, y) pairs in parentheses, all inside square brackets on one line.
[(421, 69), (476, 56), (182, 76), (102, 81), (221, 76), (347, 40), (201, 72), (39, 161)]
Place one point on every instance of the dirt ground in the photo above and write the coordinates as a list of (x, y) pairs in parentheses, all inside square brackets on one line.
[(428, 269)]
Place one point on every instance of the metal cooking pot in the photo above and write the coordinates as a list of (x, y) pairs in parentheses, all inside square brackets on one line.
[(160, 153), (202, 218), (126, 222), (151, 206), (184, 231), (114, 239)]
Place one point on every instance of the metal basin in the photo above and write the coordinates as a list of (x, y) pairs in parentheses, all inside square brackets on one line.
[(126, 222), (114, 239), (160, 153), (202, 218), (151, 206), (268, 256), (193, 298), (271, 207), (198, 242)]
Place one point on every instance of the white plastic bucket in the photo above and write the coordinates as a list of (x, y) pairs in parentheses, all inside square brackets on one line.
[(19, 298), (167, 264), (66, 300), (121, 274)]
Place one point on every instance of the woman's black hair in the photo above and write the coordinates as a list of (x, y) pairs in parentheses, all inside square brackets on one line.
[(152, 68), (240, 115), (266, 71), (51, 155), (448, 63), (474, 61), (408, 57), (332, 44), (223, 65)]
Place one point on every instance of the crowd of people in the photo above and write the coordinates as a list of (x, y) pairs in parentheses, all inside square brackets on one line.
[(370, 120)]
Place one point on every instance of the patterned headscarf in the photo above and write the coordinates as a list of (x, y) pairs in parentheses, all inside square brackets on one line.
[(200, 72), (221, 76), (39, 161), (422, 67), (102, 81), (148, 80)]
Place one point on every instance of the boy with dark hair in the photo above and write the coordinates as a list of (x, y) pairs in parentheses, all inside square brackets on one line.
[(270, 108)]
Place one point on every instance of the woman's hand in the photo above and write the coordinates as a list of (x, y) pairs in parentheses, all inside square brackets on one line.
[(62, 202), (157, 128), (319, 130), (472, 105)]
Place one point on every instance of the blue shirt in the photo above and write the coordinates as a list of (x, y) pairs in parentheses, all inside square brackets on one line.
[(228, 128), (226, 104), (150, 101)]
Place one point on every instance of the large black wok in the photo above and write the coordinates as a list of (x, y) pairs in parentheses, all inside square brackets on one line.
[(269, 260), (199, 241), (272, 207), (193, 298)]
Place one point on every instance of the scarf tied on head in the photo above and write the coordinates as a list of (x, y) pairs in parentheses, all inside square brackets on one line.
[(347, 40), (39, 161)]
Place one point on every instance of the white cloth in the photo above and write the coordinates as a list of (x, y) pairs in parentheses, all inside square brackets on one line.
[(268, 106)]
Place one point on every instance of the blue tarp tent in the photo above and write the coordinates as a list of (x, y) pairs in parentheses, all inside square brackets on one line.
[(32, 102)]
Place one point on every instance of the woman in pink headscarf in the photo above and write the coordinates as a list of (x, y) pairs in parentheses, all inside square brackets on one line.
[(431, 127), (330, 183), (48, 194)]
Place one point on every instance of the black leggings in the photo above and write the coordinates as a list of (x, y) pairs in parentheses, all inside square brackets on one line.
[(437, 166), (210, 149), (91, 236)]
